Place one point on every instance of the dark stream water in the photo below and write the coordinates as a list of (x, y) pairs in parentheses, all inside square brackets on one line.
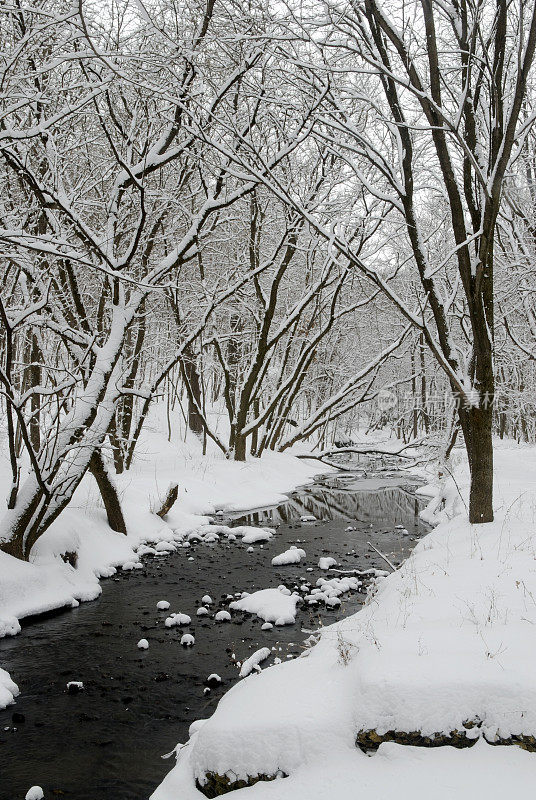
[(107, 742)]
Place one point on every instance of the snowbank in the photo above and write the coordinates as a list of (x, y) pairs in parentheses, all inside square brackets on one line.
[(404, 773), (448, 639)]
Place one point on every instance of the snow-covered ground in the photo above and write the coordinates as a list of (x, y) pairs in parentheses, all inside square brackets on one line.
[(207, 484), (446, 643)]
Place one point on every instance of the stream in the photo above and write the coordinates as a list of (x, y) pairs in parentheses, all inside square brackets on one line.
[(107, 742)]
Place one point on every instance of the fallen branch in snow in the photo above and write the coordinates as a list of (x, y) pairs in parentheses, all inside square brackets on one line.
[(383, 556), (171, 496), (376, 573), (254, 660), (365, 450)]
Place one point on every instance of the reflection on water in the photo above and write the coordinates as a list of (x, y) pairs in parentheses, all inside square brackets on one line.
[(380, 500)]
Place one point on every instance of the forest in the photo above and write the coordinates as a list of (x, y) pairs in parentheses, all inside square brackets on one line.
[(280, 228)]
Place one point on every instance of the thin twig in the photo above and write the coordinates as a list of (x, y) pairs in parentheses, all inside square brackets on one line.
[(383, 556)]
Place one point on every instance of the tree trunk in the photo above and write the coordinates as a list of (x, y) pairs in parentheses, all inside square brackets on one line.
[(240, 447), (108, 492), (476, 424), (424, 409), (193, 382), (414, 396), (33, 380), (255, 434), (117, 446)]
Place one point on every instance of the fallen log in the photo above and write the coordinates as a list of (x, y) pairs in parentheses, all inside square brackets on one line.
[(171, 497)]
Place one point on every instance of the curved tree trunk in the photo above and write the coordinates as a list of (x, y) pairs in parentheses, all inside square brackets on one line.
[(108, 492)]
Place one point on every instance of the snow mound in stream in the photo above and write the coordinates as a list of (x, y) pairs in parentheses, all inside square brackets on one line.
[(252, 535), (326, 562), (271, 605), (177, 619), (291, 556), (330, 591), (208, 534), (8, 689)]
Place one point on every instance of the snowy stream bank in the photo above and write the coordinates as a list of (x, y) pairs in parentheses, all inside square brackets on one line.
[(87, 744), (446, 645)]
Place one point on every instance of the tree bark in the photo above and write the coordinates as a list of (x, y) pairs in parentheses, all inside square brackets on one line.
[(476, 424), (108, 492), (240, 447), (193, 382), (169, 500)]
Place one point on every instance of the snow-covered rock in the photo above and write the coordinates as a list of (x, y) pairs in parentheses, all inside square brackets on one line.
[(73, 687), (177, 619), (329, 591), (222, 616), (291, 556), (207, 534), (162, 605), (143, 644), (326, 562), (35, 793), (271, 605), (187, 640), (165, 547), (8, 689), (145, 550), (252, 535)]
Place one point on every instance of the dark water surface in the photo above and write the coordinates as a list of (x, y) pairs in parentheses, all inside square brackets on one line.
[(107, 742)]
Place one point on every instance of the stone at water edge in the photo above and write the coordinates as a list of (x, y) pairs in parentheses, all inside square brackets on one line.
[(327, 562), (73, 687), (35, 793)]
